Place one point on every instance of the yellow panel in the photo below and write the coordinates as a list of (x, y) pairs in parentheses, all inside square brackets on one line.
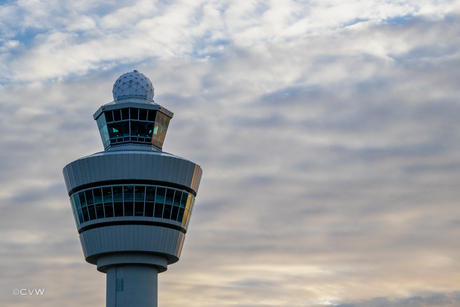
[(189, 201), (184, 219)]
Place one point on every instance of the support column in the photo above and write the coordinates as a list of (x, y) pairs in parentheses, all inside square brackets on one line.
[(132, 278), (132, 285)]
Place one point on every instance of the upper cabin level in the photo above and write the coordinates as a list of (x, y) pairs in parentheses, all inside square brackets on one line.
[(133, 117)]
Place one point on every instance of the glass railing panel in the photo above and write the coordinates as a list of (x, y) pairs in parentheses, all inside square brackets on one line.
[(139, 209), (149, 206), (159, 210), (108, 207), (99, 211)]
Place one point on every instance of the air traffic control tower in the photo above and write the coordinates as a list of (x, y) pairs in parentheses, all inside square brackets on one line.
[(132, 202)]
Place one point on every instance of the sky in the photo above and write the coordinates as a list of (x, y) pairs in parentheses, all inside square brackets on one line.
[(327, 131)]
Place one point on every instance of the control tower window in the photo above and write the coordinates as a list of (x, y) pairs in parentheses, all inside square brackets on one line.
[(128, 200), (102, 125), (159, 131), (131, 125)]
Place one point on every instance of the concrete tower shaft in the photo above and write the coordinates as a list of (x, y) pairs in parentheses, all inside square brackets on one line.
[(132, 202)]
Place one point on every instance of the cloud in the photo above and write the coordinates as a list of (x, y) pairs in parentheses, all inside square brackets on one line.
[(434, 299), (106, 32)]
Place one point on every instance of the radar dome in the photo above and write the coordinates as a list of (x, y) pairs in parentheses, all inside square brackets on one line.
[(133, 85)]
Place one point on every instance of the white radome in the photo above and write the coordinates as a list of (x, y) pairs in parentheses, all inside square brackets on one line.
[(133, 85)]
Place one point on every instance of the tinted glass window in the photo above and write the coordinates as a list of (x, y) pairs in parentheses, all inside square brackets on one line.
[(151, 116), (92, 212), (158, 210), (150, 194), (160, 196), (99, 211), (134, 128), (149, 209), (174, 212), (129, 193), (81, 195), (130, 200), (139, 193), (183, 200), (133, 125), (100, 122), (177, 197), (142, 114), (159, 131), (77, 201), (117, 193), (108, 116), (97, 196), (128, 209), (167, 212), (145, 129), (181, 214), (125, 113), (116, 129), (108, 209), (134, 113), (118, 208), (139, 209), (105, 135), (169, 196), (89, 197), (116, 115), (107, 194), (125, 128), (85, 213), (80, 216)]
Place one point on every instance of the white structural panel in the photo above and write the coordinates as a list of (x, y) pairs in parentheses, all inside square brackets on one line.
[(132, 165), (107, 240)]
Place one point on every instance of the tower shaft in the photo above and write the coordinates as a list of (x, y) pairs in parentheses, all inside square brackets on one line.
[(132, 278), (132, 285)]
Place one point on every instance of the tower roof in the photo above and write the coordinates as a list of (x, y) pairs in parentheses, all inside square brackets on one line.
[(132, 85)]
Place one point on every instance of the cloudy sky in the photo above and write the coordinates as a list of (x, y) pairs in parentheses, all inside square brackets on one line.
[(327, 130)]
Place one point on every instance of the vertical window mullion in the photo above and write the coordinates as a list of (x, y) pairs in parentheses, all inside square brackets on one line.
[(165, 203), (123, 198), (155, 200), (180, 202), (129, 124), (94, 204), (113, 202), (145, 197), (103, 202)]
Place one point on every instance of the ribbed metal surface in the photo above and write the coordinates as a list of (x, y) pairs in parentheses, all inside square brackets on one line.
[(132, 165), (132, 238)]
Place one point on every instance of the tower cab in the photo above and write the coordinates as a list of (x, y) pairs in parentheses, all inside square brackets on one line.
[(133, 118)]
